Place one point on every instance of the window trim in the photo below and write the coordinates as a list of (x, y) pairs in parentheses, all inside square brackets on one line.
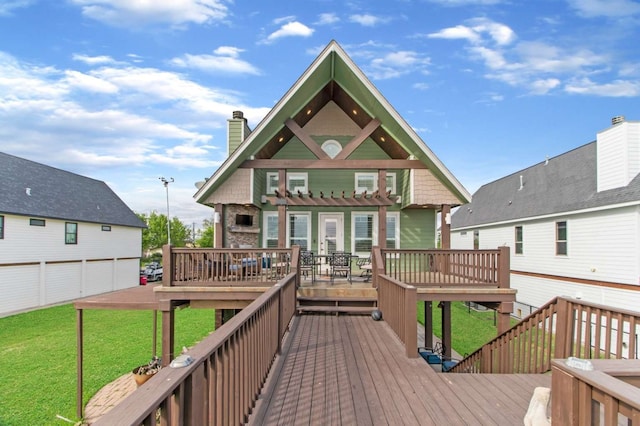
[(265, 233), (396, 231), (391, 182), (374, 230), (331, 143), (1, 227), (519, 243), (298, 175), (308, 232), (271, 189), (68, 234), (561, 242)]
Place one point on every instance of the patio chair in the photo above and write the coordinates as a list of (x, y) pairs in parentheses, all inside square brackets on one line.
[(308, 263), (365, 268), (340, 265), (432, 355)]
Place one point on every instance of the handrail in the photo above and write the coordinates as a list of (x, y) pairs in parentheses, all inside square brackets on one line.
[(448, 267), (561, 328), (607, 394), (213, 267), (229, 368), (398, 303)]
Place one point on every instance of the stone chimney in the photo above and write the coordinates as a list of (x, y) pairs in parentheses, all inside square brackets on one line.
[(237, 131)]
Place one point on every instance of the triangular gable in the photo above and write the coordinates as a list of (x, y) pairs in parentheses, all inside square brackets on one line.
[(333, 76)]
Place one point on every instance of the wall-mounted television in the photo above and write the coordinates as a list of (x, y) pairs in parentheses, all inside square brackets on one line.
[(244, 220)]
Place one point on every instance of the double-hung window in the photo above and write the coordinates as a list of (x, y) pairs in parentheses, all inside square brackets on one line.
[(70, 233), (270, 229), (561, 238), (272, 182), (363, 232), (393, 230), (369, 182), (297, 182), (299, 230), (518, 239)]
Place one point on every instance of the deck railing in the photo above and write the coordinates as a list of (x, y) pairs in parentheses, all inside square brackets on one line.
[(206, 267), (609, 394), (560, 329), (397, 302), (448, 267), (229, 368)]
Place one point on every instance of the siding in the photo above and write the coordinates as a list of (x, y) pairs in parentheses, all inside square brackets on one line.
[(418, 229)]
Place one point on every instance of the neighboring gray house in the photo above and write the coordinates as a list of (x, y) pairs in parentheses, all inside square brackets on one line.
[(572, 222), (62, 236)]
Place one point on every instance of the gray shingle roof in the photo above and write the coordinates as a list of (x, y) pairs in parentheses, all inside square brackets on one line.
[(33, 189), (563, 184)]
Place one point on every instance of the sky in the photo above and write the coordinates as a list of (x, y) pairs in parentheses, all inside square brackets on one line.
[(128, 91)]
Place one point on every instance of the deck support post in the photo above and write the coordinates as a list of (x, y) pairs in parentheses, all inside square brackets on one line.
[(428, 324), (168, 332), (446, 328)]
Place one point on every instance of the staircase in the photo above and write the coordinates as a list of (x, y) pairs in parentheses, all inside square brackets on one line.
[(354, 301)]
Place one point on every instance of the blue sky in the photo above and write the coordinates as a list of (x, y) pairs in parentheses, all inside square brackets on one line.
[(127, 91)]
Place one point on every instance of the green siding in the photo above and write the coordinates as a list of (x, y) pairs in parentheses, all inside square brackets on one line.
[(418, 229), (235, 134)]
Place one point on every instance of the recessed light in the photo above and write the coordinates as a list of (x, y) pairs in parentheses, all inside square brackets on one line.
[(280, 139), (308, 112), (355, 112), (382, 139)]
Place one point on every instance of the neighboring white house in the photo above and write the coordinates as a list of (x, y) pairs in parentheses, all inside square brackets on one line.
[(62, 236), (572, 222)]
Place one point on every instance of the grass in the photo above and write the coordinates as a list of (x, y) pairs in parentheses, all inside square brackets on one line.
[(38, 356), (470, 329)]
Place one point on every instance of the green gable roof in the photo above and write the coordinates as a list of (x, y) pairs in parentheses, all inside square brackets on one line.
[(334, 76)]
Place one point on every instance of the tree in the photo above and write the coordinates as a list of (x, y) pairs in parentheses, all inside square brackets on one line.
[(206, 234), (155, 236)]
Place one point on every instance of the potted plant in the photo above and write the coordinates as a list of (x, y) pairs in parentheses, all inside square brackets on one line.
[(144, 372)]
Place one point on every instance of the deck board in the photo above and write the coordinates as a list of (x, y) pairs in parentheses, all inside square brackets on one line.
[(353, 370)]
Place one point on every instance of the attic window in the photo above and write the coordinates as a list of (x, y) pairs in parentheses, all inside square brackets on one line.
[(331, 147), (36, 222)]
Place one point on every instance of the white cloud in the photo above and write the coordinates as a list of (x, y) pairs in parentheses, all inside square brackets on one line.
[(616, 88), (476, 31), (606, 8), (7, 6), (224, 60), (367, 20), (420, 86), (93, 60), (456, 33), (396, 64), (89, 83), (123, 13), (544, 86), (290, 29), (327, 19)]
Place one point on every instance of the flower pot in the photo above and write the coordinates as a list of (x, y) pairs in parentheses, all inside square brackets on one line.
[(140, 376)]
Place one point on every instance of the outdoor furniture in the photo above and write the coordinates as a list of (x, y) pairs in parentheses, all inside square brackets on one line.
[(432, 355), (340, 263), (365, 267), (308, 263)]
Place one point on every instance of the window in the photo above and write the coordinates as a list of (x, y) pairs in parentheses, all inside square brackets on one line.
[(1, 227), (332, 147), (36, 222), (476, 239), (70, 233), (299, 230), (297, 182), (271, 230), (106, 228), (244, 220), (393, 230), (561, 238), (518, 239), (363, 232), (369, 182), (272, 182)]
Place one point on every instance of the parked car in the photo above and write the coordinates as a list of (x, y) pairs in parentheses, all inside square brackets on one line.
[(153, 271)]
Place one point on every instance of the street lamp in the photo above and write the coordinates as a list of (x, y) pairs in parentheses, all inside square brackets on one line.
[(166, 183)]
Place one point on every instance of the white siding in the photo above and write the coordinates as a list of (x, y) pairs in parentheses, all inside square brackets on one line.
[(462, 241), (37, 268), (618, 154)]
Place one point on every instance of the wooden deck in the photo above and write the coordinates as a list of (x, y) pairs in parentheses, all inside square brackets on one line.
[(353, 370)]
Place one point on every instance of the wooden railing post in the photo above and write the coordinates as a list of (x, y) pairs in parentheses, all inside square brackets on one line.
[(504, 267), (563, 327), (167, 265), (377, 265), (411, 318)]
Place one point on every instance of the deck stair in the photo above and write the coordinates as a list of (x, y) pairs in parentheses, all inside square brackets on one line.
[(358, 301)]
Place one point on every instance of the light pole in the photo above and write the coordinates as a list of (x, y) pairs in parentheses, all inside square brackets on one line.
[(166, 183)]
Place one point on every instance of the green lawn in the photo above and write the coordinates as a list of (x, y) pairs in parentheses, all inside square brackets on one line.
[(38, 356), (470, 329)]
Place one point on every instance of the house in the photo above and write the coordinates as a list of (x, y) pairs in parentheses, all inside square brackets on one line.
[(572, 223), (332, 167), (62, 236)]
